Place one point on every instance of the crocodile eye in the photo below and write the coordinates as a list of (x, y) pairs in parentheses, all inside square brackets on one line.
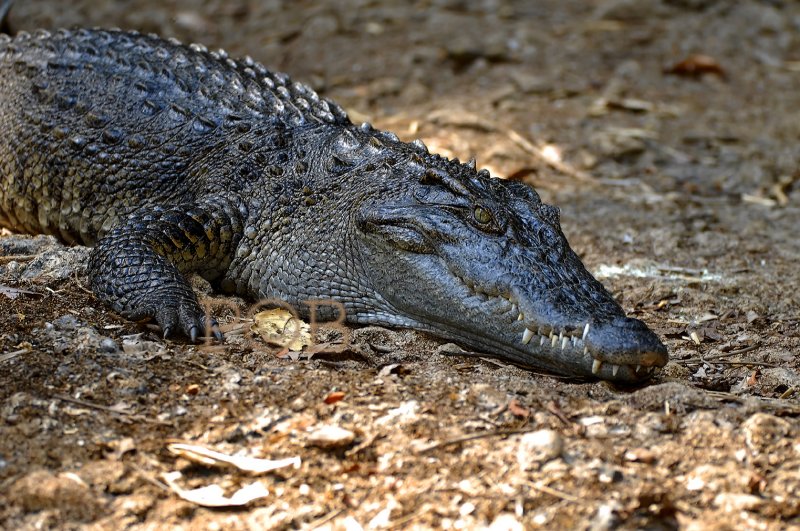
[(482, 215)]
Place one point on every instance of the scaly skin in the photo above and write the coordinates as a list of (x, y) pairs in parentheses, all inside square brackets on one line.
[(172, 159)]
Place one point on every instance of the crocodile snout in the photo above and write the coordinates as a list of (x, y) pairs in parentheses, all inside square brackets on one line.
[(625, 342)]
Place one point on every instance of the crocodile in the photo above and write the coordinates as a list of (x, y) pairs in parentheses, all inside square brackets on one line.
[(171, 159)]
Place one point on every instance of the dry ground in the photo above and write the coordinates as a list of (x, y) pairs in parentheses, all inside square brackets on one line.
[(667, 132)]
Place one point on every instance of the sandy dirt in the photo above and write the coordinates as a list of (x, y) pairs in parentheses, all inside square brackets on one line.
[(667, 132)]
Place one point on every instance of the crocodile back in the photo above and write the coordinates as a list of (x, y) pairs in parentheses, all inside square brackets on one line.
[(98, 124)]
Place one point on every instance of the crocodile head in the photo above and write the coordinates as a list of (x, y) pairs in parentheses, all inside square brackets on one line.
[(484, 262)]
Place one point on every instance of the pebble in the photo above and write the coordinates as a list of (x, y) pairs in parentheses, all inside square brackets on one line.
[(629, 10), (640, 455), (330, 437), (732, 501), (66, 322), (108, 345), (505, 522), (606, 517), (538, 447), (763, 432), (67, 493)]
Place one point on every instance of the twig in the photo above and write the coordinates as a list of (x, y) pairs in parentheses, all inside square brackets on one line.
[(316, 524), (92, 405), (145, 476), (744, 363), (128, 414), (80, 284), (12, 355), (17, 258), (711, 359), (554, 492), (557, 165), (471, 437), (777, 405), (553, 408), (403, 520)]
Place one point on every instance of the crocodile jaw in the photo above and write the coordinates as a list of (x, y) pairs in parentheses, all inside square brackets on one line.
[(623, 350)]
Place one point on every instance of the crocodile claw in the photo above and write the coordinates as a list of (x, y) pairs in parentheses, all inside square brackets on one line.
[(187, 320)]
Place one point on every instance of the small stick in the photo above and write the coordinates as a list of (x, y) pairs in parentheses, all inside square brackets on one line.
[(12, 355), (132, 416), (554, 492), (472, 437), (17, 258), (560, 167)]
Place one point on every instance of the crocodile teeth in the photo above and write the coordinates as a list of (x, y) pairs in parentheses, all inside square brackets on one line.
[(564, 342), (585, 350), (574, 341), (526, 336), (596, 365), (638, 368), (520, 317), (585, 331), (553, 340), (542, 341), (614, 370)]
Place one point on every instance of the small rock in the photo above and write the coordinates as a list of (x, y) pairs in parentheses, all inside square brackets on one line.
[(487, 397), (57, 264), (66, 322), (466, 509), (108, 345), (618, 143), (68, 493), (630, 10), (505, 522), (606, 517), (763, 432), (640, 455), (531, 83), (774, 377), (608, 474), (405, 413), (330, 437), (539, 447), (735, 502)]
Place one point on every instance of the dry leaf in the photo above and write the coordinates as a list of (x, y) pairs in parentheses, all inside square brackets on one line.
[(214, 495), (334, 397), (13, 293), (695, 65), (208, 457), (518, 410), (280, 327)]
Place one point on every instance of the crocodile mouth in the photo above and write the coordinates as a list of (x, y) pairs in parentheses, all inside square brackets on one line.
[(577, 343), (621, 349)]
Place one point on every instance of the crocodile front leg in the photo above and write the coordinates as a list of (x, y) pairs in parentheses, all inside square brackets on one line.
[(138, 268)]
